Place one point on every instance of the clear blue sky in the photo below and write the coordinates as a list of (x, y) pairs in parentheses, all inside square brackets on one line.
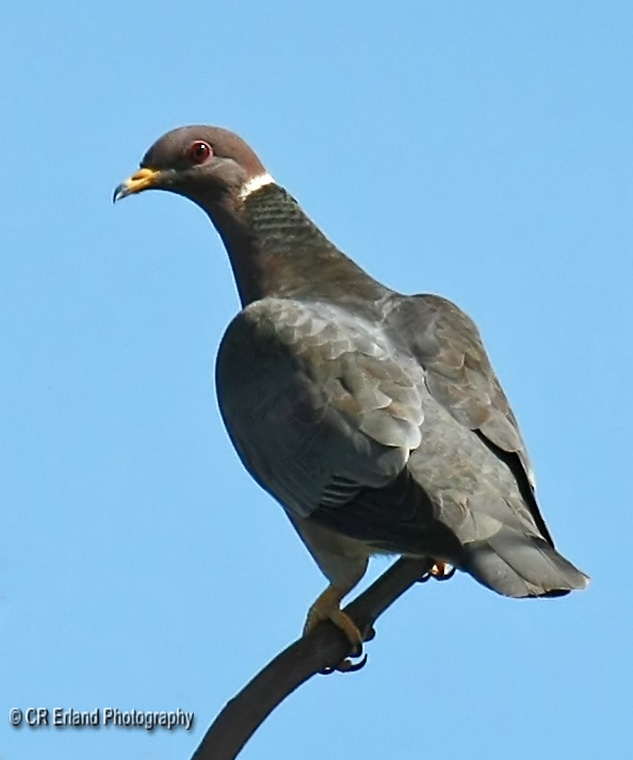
[(481, 150)]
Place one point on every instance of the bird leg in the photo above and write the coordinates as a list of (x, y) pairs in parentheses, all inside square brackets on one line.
[(327, 607)]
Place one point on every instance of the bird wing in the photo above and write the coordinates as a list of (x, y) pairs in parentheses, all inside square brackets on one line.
[(393, 431), (458, 374), (473, 459), (317, 402)]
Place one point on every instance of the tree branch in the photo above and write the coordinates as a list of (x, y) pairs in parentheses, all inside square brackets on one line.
[(325, 647)]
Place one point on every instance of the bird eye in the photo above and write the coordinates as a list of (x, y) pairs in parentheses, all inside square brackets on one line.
[(199, 152)]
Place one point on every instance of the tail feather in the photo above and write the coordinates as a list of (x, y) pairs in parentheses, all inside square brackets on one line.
[(520, 565)]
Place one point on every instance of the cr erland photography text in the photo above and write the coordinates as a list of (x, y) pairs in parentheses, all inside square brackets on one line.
[(60, 717)]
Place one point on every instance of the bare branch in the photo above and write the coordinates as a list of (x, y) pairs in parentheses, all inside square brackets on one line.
[(324, 648)]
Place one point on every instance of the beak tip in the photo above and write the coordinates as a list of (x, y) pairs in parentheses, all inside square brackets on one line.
[(143, 179), (119, 192)]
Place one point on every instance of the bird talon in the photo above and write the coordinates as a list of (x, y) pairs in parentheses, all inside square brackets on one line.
[(447, 576), (327, 607), (357, 651), (440, 573), (346, 666), (369, 634)]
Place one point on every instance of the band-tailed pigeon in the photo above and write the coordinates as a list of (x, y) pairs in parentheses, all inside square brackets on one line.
[(374, 418)]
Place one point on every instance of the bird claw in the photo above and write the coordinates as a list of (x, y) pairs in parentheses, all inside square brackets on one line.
[(369, 634), (327, 607), (439, 572), (347, 665), (444, 575)]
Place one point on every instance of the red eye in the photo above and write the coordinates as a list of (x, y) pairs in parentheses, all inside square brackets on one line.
[(199, 152)]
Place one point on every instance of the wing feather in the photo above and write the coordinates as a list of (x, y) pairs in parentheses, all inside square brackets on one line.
[(313, 398), (446, 342)]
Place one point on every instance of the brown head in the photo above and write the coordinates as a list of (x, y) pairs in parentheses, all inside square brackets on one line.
[(274, 248), (208, 165)]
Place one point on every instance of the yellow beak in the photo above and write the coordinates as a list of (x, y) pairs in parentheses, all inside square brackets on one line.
[(141, 180)]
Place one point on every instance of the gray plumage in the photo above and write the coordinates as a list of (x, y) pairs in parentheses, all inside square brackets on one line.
[(369, 415)]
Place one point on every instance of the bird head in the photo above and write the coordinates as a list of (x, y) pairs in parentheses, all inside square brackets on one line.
[(208, 165)]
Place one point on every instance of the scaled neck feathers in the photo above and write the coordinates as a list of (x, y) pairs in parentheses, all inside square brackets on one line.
[(276, 250)]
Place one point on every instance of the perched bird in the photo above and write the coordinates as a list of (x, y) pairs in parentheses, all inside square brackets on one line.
[(374, 418)]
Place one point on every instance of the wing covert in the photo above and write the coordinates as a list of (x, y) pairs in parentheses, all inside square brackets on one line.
[(317, 404), (447, 344)]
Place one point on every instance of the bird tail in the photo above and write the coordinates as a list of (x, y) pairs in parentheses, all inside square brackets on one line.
[(520, 565)]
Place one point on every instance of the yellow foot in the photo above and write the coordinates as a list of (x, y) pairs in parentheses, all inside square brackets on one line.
[(327, 607)]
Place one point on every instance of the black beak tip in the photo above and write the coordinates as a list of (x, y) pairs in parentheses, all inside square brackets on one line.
[(119, 192)]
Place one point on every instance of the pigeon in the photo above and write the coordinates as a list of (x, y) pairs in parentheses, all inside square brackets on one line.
[(374, 418)]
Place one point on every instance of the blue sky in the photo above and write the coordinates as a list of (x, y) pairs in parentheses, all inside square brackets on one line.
[(483, 151)]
